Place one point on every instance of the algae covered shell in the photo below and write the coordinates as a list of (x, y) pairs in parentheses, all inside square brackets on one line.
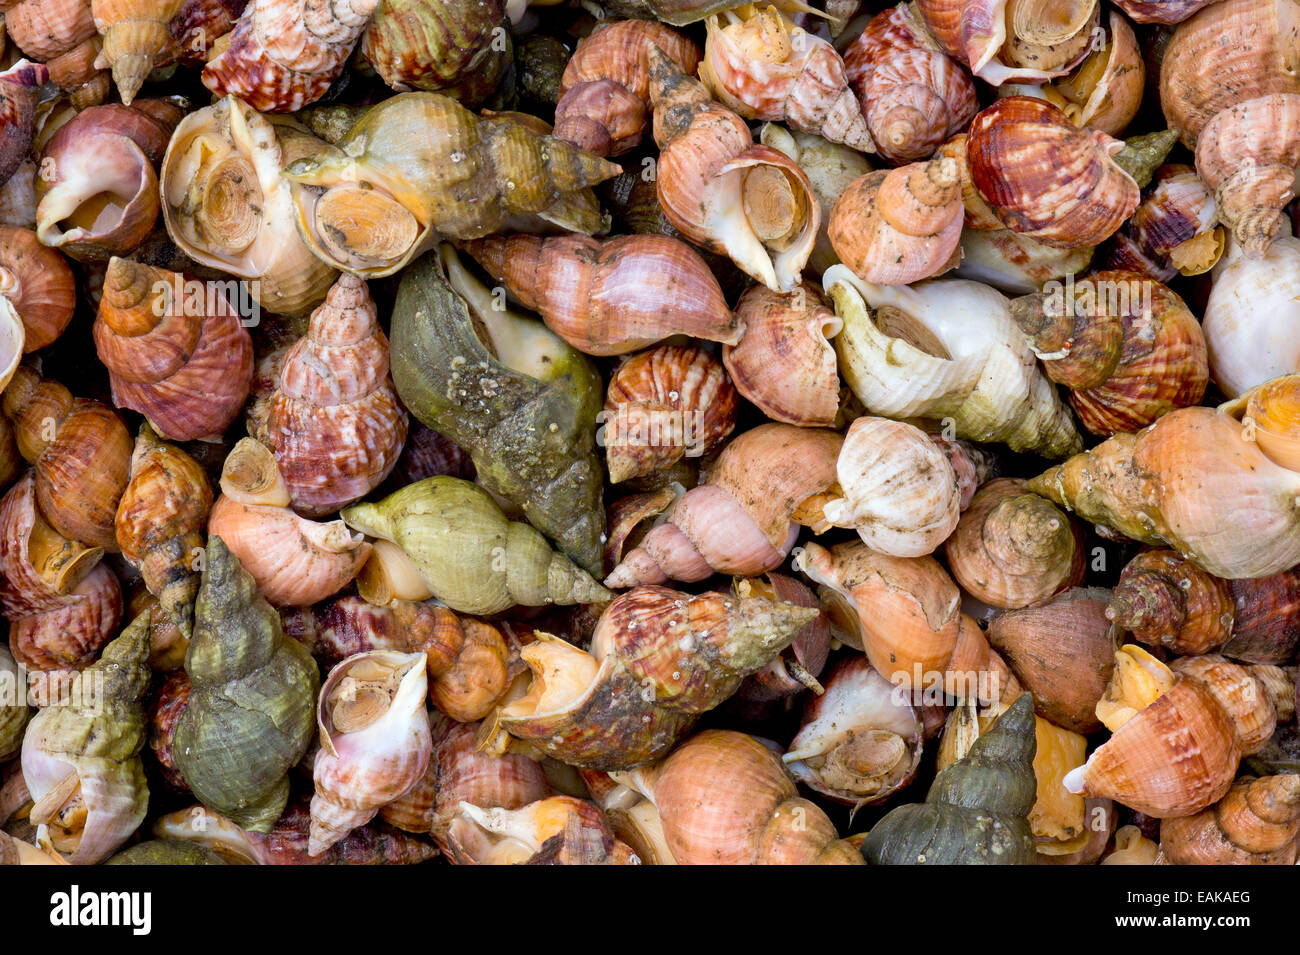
[(506, 389), (252, 707)]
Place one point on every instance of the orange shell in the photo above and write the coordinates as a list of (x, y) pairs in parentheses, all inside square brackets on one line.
[(1239, 692), (1256, 823), (1164, 599), (900, 226), (44, 29), (38, 283)]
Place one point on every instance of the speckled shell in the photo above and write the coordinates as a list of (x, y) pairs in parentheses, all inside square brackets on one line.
[(198, 26), (1165, 600), (605, 88), (663, 404), (284, 54), (1045, 178), (1230, 52), (176, 351), (765, 68), (611, 296), (334, 421), (913, 95), (785, 364)]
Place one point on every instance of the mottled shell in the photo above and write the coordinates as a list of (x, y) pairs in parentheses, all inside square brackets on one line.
[(763, 67), (611, 296), (900, 226), (198, 26), (1226, 54), (284, 54), (1267, 612), (913, 95), (1161, 11), (1173, 230), (20, 89), (663, 404), (785, 364), (1045, 178), (900, 492), (176, 350), (1163, 599), (604, 91), (334, 421)]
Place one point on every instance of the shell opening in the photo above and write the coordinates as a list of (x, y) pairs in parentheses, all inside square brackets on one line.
[(251, 476), (893, 322), (775, 208), (390, 575), (561, 675), (1138, 681), (231, 206), (365, 692), (362, 227)]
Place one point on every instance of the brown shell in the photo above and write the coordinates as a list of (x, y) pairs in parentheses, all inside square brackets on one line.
[(913, 96), (176, 350), (160, 522), (790, 672), (20, 89), (334, 421), (1012, 548), (1267, 611), (725, 799), (168, 704), (1228, 53), (1163, 599), (661, 404), (1127, 347), (900, 226), (611, 296), (1063, 651), (38, 283), (198, 26), (605, 89), (785, 364), (1248, 153), (81, 451), (1176, 757), (1173, 229), (1047, 179), (136, 39), (1256, 823)]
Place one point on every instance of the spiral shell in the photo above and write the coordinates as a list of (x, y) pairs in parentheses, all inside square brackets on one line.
[(1256, 823), (900, 491), (901, 226), (61, 34), (658, 659), (1247, 154), (176, 350), (81, 759), (611, 296), (913, 95), (1165, 600), (375, 741), (1174, 229), (1240, 693), (1044, 178), (1229, 52), (160, 522), (662, 404), (605, 88), (226, 207), (750, 203), (558, 830), (762, 66), (284, 54), (135, 33)]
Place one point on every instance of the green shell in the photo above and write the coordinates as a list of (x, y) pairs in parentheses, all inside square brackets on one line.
[(977, 810), (540, 61), (14, 710), (532, 436), (471, 557), (1143, 155), (252, 707), (167, 852)]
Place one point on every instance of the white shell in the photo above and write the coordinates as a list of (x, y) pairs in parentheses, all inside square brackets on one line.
[(1252, 318), (991, 387), (900, 491)]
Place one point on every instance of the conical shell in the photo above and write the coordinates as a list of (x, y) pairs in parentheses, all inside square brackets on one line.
[(135, 34), (81, 759), (375, 742), (1163, 599), (659, 658), (176, 350)]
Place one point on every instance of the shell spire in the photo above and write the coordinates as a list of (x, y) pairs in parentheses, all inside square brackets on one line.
[(135, 35), (976, 810), (81, 759)]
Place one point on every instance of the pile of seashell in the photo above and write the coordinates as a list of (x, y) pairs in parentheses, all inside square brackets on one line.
[(649, 431)]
